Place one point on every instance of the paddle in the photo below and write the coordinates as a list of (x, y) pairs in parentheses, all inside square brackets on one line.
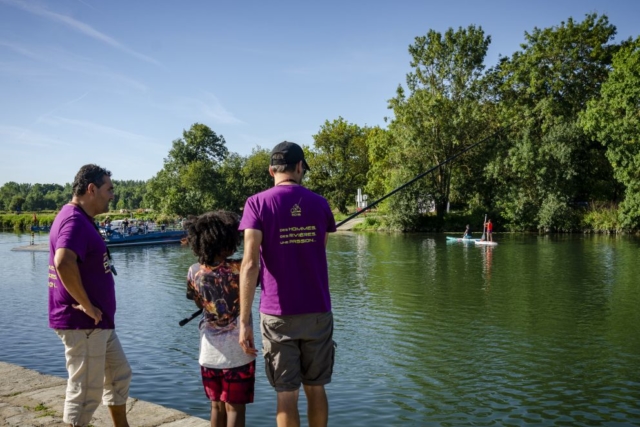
[(484, 225)]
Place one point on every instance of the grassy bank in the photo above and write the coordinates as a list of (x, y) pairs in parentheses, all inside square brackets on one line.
[(595, 219), (601, 219)]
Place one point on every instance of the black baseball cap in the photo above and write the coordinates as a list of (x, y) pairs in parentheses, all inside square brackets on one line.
[(292, 154)]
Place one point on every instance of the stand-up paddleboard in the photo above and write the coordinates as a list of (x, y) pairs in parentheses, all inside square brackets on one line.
[(486, 242), (461, 239)]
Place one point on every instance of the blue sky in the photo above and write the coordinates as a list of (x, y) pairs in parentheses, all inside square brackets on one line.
[(115, 82)]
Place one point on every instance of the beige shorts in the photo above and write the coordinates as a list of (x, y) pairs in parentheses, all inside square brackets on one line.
[(98, 368), (298, 349)]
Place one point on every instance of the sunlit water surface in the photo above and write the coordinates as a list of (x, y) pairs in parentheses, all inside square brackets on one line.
[(538, 331)]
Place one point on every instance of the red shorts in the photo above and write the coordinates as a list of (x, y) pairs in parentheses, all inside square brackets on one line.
[(233, 385)]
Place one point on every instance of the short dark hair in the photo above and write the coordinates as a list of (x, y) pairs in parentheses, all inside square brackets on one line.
[(88, 174), (290, 167), (213, 234)]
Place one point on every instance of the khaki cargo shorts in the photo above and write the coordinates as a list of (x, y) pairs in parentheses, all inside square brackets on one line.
[(298, 349)]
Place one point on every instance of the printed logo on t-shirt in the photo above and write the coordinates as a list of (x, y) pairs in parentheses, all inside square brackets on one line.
[(297, 235), (53, 276), (296, 211), (106, 263)]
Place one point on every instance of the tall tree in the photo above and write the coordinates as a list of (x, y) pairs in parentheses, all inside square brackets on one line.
[(10, 190), (614, 119), (189, 182), (547, 164), (243, 177), (339, 162), (255, 171), (440, 112)]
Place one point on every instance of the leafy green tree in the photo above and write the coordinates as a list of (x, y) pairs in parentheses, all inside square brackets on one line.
[(242, 177), (35, 200), (56, 199), (129, 194), (16, 202), (547, 163), (255, 171), (339, 162), (233, 196), (190, 181), (11, 189), (379, 151), (614, 119), (440, 112)]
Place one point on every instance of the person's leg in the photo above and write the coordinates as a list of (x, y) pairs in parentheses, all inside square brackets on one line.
[(118, 415), (235, 414), (117, 378), (237, 390), (85, 355), (317, 405), (212, 380), (287, 412), (318, 354), (281, 347), (218, 414)]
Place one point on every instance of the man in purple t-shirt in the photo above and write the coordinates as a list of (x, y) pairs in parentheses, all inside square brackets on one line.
[(285, 236), (82, 303)]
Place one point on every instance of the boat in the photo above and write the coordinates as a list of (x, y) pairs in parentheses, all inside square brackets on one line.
[(135, 236), (114, 238), (461, 239)]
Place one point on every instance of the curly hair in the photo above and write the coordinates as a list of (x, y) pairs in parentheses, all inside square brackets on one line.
[(213, 234), (88, 174)]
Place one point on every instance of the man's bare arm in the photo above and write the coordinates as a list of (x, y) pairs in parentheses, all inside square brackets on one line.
[(249, 271), (66, 264)]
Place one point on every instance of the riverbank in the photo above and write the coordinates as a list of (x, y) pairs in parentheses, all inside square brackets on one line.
[(29, 398)]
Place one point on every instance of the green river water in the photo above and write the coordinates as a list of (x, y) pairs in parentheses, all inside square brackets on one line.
[(537, 331)]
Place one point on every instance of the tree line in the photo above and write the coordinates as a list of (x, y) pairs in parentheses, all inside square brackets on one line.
[(560, 117)]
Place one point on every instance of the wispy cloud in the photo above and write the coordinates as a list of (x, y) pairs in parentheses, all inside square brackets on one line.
[(20, 50), (78, 26), (212, 108), (64, 104), (64, 61), (14, 136), (95, 128), (206, 108), (88, 5)]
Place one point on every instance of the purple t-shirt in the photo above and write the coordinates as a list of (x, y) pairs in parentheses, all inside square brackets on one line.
[(293, 260), (73, 229)]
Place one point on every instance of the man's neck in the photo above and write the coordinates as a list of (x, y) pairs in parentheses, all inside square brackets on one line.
[(83, 205), (285, 180)]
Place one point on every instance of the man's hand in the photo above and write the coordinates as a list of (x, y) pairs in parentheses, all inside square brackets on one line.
[(94, 312), (246, 340), (248, 279)]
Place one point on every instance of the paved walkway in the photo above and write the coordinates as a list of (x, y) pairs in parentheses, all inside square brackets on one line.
[(30, 399), (351, 223)]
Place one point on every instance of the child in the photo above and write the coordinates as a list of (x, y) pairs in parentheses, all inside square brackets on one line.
[(228, 373)]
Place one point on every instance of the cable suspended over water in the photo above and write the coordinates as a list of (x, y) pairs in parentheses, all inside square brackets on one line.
[(423, 174)]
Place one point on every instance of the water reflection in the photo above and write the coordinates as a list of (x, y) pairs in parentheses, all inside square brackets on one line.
[(536, 331), (487, 255)]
